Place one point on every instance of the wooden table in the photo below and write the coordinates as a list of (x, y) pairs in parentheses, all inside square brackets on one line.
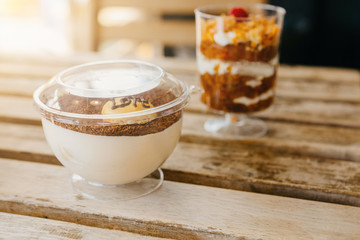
[(301, 181)]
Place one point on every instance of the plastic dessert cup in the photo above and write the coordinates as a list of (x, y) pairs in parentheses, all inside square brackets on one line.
[(113, 124), (237, 56)]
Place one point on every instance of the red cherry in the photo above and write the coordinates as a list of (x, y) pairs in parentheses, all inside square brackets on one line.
[(238, 12)]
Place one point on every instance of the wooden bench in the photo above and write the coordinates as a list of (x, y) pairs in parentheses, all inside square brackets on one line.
[(282, 186), (148, 21)]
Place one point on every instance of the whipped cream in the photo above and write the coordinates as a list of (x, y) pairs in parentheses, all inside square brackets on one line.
[(254, 83), (111, 159), (206, 65), (249, 101), (224, 38)]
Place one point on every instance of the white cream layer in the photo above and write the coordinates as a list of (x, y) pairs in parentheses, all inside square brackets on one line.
[(241, 67), (249, 101), (225, 38), (111, 159)]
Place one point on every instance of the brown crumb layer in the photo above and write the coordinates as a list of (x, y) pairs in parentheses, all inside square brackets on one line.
[(241, 108), (220, 90), (237, 52), (135, 127), (154, 126)]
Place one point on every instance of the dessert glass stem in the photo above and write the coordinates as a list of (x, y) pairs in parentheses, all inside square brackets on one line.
[(233, 118), (236, 126), (126, 191)]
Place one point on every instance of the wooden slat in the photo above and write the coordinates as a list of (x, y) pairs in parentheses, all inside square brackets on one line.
[(336, 91), (308, 111), (23, 111), (14, 226), (323, 73), (285, 109), (303, 88), (172, 6), (181, 32), (323, 84), (306, 140), (152, 28), (18, 109), (176, 210), (315, 112), (339, 140), (84, 24), (286, 88), (28, 71), (23, 87), (300, 139), (260, 166), (49, 61), (23, 65)]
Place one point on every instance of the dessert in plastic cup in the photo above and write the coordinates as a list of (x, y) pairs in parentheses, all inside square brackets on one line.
[(237, 56), (113, 124)]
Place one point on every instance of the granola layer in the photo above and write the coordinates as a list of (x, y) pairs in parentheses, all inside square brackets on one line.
[(237, 52), (236, 93), (247, 48)]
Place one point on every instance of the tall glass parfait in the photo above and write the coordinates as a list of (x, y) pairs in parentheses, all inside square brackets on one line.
[(237, 55)]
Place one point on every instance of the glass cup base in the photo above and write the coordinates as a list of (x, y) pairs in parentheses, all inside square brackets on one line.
[(126, 191), (236, 126)]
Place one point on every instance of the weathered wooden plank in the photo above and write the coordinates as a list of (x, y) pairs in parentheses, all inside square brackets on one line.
[(84, 25), (315, 140), (323, 73), (302, 139), (314, 112), (18, 109), (28, 71), (307, 111), (288, 88), (339, 143), (303, 88), (285, 109), (25, 63), (23, 87), (267, 166), (186, 6), (176, 210), (318, 90), (61, 61), (153, 31), (13, 226)]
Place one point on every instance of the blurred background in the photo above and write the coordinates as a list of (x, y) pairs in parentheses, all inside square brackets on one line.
[(316, 32)]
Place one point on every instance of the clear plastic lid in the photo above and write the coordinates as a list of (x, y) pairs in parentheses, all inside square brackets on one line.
[(111, 92)]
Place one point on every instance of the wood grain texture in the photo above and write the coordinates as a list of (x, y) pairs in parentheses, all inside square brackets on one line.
[(157, 31), (15, 227), (267, 167), (291, 88), (315, 96), (307, 111), (176, 210), (318, 89), (20, 86), (152, 27), (18, 109), (186, 6), (346, 114), (26, 64), (28, 71), (321, 139), (84, 25)]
